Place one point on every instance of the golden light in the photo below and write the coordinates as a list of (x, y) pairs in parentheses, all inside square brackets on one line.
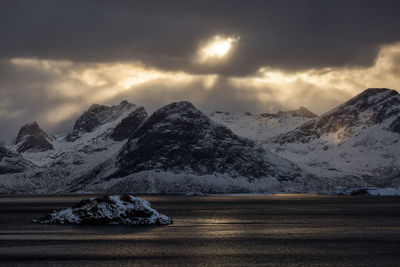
[(216, 49)]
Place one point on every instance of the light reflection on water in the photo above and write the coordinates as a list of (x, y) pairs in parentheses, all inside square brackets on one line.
[(279, 229)]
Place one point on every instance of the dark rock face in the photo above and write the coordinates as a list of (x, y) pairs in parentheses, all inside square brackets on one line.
[(11, 162), (32, 138), (129, 124), (178, 138), (91, 118), (373, 106), (395, 125)]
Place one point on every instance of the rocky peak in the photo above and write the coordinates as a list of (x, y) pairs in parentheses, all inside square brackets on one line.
[(98, 115), (97, 108), (91, 118), (180, 138), (30, 129), (177, 113), (124, 102), (303, 112), (32, 138)]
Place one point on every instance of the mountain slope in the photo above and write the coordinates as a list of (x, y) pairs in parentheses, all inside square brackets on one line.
[(180, 139), (12, 162), (102, 120), (90, 143), (263, 126), (359, 138)]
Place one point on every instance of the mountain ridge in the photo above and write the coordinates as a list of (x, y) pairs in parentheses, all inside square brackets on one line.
[(179, 149)]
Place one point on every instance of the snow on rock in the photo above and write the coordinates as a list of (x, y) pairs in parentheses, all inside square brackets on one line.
[(74, 154), (31, 138), (354, 144), (100, 117), (12, 162), (262, 126), (114, 209), (180, 139), (178, 150), (373, 106)]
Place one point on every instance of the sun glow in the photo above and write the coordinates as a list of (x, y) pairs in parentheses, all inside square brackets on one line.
[(216, 49), (72, 86)]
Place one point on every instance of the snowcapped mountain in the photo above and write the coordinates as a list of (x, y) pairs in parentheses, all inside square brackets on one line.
[(178, 149), (357, 141), (179, 139), (103, 121), (72, 155), (262, 126)]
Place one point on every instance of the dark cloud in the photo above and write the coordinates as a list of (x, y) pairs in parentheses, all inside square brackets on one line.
[(283, 34)]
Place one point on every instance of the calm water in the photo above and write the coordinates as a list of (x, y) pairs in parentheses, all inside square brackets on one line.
[(223, 230)]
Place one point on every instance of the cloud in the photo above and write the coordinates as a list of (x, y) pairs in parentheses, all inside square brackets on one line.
[(55, 92), (323, 88), (289, 35)]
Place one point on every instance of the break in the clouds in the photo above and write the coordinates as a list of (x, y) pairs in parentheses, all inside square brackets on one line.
[(287, 34), (59, 57), (56, 92)]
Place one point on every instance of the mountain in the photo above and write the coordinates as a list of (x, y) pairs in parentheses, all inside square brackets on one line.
[(359, 138), (100, 119), (179, 139), (262, 126), (178, 149), (91, 142), (12, 167), (31, 138)]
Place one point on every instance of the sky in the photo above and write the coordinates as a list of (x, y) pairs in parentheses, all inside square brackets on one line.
[(59, 57)]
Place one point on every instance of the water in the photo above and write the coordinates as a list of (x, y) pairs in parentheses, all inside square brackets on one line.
[(217, 230)]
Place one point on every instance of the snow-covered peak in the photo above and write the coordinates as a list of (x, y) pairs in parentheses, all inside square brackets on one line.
[(357, 141), (371, 98), (176, 110), (100, 119), (177, 114), (372, 106), (97, 115)]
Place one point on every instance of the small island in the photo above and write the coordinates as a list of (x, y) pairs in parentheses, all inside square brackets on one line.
[(114, 209)]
